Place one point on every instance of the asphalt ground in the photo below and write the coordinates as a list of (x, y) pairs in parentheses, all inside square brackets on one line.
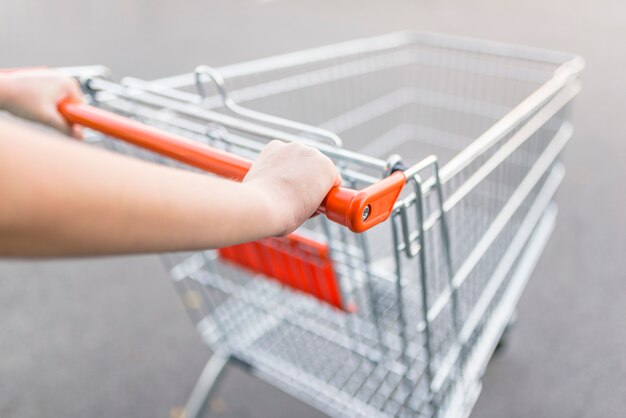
[(107, 337)]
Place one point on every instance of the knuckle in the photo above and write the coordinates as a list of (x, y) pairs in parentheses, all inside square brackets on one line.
[(294, 146), (308, 151), (272, 146)]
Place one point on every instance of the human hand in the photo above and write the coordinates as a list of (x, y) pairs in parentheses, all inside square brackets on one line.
[(292, 179), (34, 95)]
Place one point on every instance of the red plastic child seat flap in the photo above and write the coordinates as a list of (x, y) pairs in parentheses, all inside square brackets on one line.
[(295, 261)]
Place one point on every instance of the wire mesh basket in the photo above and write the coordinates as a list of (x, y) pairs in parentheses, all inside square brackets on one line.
[(399, 318)]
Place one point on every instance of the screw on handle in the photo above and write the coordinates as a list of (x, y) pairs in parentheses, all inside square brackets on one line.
[(358, 210)]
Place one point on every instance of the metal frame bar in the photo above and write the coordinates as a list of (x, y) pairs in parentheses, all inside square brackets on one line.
[(206, 385)]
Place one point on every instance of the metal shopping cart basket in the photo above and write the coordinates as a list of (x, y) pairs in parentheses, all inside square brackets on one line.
[(392, 303)]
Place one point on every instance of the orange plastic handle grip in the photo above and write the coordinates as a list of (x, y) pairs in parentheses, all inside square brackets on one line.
[(358, 210)]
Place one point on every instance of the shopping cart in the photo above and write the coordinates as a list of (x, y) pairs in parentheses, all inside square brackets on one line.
[(392, 303)]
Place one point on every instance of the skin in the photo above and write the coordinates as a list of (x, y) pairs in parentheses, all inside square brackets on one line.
[(65, 198)]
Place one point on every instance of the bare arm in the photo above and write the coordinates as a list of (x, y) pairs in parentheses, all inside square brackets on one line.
[(60, 198)]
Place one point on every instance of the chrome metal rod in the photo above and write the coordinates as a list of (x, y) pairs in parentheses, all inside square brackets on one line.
[(205, 386)]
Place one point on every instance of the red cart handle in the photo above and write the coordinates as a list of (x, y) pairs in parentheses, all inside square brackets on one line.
[(358, 210)]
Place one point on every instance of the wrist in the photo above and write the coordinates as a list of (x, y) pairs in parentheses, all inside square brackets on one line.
[(266, 208)]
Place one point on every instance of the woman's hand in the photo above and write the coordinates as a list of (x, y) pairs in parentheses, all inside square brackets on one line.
[(34, 95), (292, 179)]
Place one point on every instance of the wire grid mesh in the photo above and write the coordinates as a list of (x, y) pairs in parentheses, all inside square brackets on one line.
[(425, 286)]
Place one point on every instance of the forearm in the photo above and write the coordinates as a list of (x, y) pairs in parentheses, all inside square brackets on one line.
[(61, 198)]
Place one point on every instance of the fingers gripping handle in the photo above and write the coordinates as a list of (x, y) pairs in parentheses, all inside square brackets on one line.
[(358, 210)]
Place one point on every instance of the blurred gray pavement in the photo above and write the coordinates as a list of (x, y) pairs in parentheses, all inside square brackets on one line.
[(108, 337)]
